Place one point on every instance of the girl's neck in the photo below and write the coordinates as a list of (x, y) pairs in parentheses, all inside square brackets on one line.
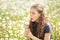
[(37, 20)]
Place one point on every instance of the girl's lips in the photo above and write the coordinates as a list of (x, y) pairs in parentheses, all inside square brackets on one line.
[(31, 18)]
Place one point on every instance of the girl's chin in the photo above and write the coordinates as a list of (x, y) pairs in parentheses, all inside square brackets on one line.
[(32, 20)]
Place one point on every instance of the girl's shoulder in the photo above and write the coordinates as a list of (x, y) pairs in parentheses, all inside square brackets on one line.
[(48, 28)]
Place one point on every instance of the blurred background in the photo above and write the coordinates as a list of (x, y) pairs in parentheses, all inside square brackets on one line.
[(14, 17)]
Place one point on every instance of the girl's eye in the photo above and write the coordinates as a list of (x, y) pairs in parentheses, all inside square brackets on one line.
[(33, 13), (39, 11)]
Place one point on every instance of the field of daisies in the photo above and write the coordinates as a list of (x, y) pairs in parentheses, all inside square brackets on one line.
[(14, 17)]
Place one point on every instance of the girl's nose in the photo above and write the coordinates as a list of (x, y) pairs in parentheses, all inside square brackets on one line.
[(31, 16)]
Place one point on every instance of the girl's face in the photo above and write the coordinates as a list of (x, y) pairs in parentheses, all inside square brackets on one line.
[(34, 15)]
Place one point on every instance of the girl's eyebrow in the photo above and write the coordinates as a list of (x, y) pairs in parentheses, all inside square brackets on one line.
[(40, 11)]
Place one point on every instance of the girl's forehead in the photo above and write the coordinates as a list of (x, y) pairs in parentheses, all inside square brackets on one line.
[(33, 9)]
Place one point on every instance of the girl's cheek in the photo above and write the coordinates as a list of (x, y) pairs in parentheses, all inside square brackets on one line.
[(31, 16)]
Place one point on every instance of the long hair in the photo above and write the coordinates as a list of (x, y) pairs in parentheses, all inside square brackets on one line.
[(42, 21)]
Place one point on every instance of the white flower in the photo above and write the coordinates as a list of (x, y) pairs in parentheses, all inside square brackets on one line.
[(59, 23)]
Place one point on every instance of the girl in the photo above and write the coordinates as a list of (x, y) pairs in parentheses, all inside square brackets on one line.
[(39, 27)]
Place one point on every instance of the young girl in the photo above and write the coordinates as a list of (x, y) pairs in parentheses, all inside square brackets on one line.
[(39, 27)]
